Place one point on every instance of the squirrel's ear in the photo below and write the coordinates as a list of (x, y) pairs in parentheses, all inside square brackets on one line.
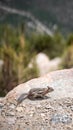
[(50, 88)]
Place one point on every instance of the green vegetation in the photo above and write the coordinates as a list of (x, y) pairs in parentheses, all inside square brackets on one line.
[(18, 51), (13, 52), (52, 46), (67, 58)]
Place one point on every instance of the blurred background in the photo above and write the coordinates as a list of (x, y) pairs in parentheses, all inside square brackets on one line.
[(36, 37)]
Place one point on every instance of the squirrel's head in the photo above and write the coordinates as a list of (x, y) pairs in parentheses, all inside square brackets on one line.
[(50, 89)]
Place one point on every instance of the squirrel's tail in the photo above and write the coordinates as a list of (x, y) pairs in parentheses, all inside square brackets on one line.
[(21, 98)]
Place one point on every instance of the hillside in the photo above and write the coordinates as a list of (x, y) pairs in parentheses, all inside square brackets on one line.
[(49, 12)]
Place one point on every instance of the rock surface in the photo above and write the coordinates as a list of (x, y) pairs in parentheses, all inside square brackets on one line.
[(53, 113)]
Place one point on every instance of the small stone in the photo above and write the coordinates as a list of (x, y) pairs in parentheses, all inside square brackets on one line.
[(11, 120), (42, 115), (48, 107), (12, 106), (31, 115), (1, 105), (10, 113), (27, 122), (58, 118), (23, 105), (19, 109), (71, 107), (38, 106), (21, 116)]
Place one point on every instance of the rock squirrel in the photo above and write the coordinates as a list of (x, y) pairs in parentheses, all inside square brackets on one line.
[(35, 93)]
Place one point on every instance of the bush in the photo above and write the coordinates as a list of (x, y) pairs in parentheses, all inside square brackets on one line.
[(15, 68), (67, 59), (52, 46), (70, 40)]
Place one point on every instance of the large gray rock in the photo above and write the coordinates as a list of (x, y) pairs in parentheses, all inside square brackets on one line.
[(53, 113), (61, 81)]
